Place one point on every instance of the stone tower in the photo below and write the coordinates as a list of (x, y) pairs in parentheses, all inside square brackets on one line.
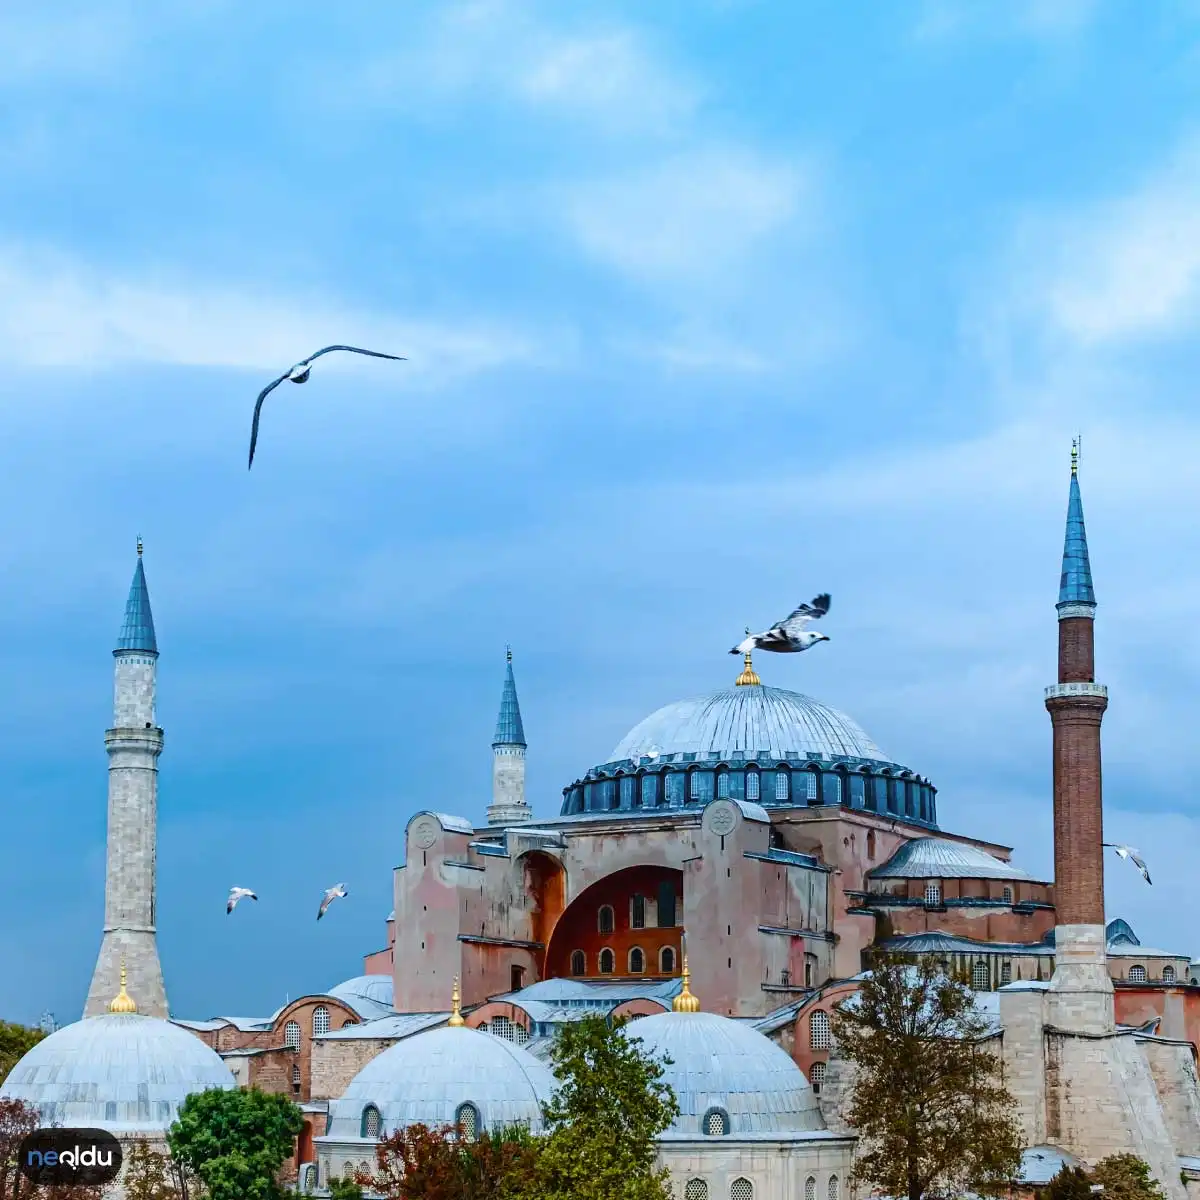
[(508, 805), (1081, 987), (130, 884)]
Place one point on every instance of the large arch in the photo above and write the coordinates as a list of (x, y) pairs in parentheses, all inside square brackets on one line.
[(579, 928), (545, 883)]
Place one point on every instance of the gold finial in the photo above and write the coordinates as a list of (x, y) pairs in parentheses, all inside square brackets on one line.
[(1074, 456), (139, 545), (747, 678), (456, 1017), (124, 1001), (685, 1001)]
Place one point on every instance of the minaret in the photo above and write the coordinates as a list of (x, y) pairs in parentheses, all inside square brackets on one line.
[(130, 886), (508, 805), (1084, 992)]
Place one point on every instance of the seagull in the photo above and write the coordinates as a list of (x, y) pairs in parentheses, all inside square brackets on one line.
[(791, 635), (334, 893), (236, 894), (1134, 857), (299, 374)]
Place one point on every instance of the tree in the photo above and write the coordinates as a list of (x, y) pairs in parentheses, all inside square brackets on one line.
[(147, 1175), (17, 1121), (603, 1119), (345, 1189), (15, 1042), (235, 1141), (1126, 1177), (931, 1112), (1071, 1183)]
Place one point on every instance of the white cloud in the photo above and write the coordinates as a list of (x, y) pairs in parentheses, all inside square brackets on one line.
[(940, 20)]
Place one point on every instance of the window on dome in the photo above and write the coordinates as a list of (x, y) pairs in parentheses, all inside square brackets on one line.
[(1005, 973), (666, 904), (812, 787), (605, 919), (897, 802), (810, 1188), (291, 1035), (578, 962), (666, 960), (628, 787), (879, 787), (296, 1081), (819, 1034), (933, 893), (372, 1122), (782, 785), (701, 786), (467, 1119), (857, 791), (1168, 974), (715, 1123), (649, 791), (980, 976), (320, 1021), (723, 785), (751, 785), (637, 961), (816, 1077), (696, 1189), (608, 795), (676, 789), (831, 788), (1137, 974), (607, 961), (741, 1189)]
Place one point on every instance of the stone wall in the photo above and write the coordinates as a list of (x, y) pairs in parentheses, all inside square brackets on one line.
[(335, 1061), (1173, 1066), (777, 1170)]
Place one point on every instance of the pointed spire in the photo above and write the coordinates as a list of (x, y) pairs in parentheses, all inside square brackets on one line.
[(1075, 586), (137, 630), (456, 1017), (509, 730)]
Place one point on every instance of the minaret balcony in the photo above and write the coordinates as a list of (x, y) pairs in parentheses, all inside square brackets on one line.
[(1060, 691)]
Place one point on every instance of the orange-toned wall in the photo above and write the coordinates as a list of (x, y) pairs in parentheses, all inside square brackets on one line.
[(1178, 1006), (801, 1040), (578, 928)]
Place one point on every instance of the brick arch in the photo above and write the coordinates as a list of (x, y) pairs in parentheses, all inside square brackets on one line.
[(639, 1006), (577, 928), (485, 1014)]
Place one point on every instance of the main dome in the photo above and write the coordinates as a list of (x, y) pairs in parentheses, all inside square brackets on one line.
[(747, 721)]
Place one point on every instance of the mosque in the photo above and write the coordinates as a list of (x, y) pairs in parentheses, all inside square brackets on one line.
[(722, 878)]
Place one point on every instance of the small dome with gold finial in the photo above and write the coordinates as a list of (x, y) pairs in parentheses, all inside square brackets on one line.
[(685, 1001), (123, 1002)]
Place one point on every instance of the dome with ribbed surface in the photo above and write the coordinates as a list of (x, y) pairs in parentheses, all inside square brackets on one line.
[(725, 1065), (747, 721), (940, 858), (123, 1072)]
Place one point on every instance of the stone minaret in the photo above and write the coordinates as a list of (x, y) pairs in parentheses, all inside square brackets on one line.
[(508, 805), (1083, 992), (130, 883)]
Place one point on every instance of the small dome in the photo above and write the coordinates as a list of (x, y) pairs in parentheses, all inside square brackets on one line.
[(122, 1072), (428, 1077), (748, 720), (940, 858), (718, 1063), (375, 989)]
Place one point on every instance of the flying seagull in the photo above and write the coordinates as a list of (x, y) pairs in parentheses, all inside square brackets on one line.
[(299, 374), (236, 894), (791, 635), (334, 893), (1134, 857)]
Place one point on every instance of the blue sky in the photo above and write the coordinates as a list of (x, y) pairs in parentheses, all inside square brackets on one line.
[(709, 306)]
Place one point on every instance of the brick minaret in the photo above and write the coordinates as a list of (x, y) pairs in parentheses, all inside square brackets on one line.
[(130, 884), (508, 806), (1076, 705)]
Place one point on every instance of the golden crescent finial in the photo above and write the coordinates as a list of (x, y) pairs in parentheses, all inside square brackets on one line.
[(456, 1017), (123, 1002), (747, 678), (685, 1001)]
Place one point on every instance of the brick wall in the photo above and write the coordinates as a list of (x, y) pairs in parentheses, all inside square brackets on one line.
[(336, 1061)]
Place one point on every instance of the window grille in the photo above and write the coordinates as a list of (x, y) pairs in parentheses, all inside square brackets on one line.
[(716, 1123), (1006, 973), (637, 912), (980, 976), (1137, 974), (320, 1021), (781, 785), (933, 893), (637, 961), (696, 1189), (296, 1080), (722, 785), (667, 960), (810, 1188), (819, 1035), (1168, 974), (751, 785), (833, 1189), (817, 1077), (291, 1035), (502, 1027), (467, 1119), (578, 962), (607, 962), (1008, 895), (741, 1189), (372, 1123), (604, 919)]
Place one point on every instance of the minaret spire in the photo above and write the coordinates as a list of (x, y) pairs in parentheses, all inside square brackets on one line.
[(508, 805), (130, 885), (1075, 591)]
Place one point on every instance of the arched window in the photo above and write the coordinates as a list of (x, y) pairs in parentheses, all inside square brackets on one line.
[(291, 1035), (666, 960), (364, 1168), (810, 1188), (466, 1118), (666, 904), (834, 1189), (637, 961), (816, 1077), (296, 1081), (372, 1122), (831, 788), (781, 785), (696, 1189), (1168, 974), (819, 1036), (1008, 895), (605, 919), (880, 783), (1137, 974), (578, 962), (933, 893), (980, 976), (649, 791), (858, 798), (607, 962), (628, 787), (320, 1020), (715, 1123), (741, 1189), (348, 1169), (702, 786), (870, 843), (1005, 974), (637, 911), (676, 788), (751, 785), (723, 785)]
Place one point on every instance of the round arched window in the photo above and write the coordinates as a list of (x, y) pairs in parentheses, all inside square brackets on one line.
[(1137, 974), (467, 1119), (320, 1021), (820, 1036), (291, 1035), (372, 1122), (715, 1123)]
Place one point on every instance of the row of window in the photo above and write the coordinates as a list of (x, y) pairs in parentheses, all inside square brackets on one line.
[(697, 785), (636, 961), (466, 1118), (1137, 974), (320, 1027), (742, 1189), (606, 917), (933, 894)]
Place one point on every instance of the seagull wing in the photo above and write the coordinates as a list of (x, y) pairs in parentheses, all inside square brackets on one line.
[(356, 350), (799, 620), (258, 413), (1141, 866)]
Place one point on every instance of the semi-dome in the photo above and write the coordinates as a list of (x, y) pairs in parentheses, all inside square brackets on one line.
[(368, 995), (438, 1078), (122, 1071), (727, 1077), (747, 721)]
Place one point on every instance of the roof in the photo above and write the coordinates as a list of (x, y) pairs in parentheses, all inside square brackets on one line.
[(949, 943), (747, 720), (390, 1028), (509, 729), (939, 858), (1040, 1164), (1124, 943), (369, 995), (578, 993), (1075, 586), (137, 630)]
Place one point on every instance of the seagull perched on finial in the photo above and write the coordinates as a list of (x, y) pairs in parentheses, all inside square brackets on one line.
[(1134, 856), (792, 634), (299, 374), (236, 894), (334, 893)]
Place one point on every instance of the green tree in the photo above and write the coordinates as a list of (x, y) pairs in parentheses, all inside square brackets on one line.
[(603, 1119), (235, 1141), (15, 1042), (1071, 1183), (1127, 1177), (926, 1098), (345, 1189), (147, 1174)]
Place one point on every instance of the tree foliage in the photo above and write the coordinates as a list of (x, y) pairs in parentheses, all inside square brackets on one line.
[(147, 1174), (1071, 1183), (17, 1121), (927, 1101), (235, 1141), (1122, 1176), (15, 1042), (608, 1108)]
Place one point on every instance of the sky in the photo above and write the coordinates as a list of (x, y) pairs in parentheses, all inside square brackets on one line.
[(708, 305)]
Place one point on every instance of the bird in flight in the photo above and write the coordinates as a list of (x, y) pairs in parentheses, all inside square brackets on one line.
[(792, 634), (299, 374), (1134, 856), (236, 894), (334, 893)]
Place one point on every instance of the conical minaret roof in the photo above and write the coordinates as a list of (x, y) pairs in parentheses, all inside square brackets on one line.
[(509, 730), (1075, 586), (137, 630)]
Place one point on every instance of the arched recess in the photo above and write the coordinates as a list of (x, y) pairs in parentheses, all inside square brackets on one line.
[(661, 889), (545, 881)]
